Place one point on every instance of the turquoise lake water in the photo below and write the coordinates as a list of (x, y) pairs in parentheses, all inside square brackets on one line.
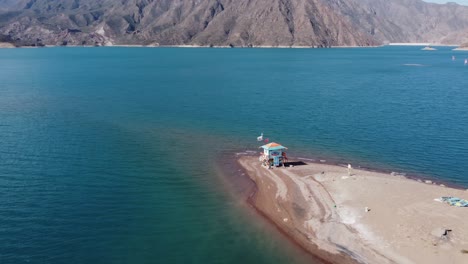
[(110, 155)]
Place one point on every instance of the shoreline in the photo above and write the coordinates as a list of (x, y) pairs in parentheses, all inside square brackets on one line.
[(410, 175), (421, 44), (192, 46), (157, 45), (271, 201), (9, 45), (242, 188), (6, 45)]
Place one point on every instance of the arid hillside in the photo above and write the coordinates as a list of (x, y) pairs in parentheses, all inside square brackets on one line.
[(319, 23)]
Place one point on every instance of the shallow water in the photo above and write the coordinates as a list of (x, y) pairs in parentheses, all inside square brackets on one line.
[(109, 154)]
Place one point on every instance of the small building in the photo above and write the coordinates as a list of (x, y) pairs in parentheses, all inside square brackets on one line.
[(273, 154)]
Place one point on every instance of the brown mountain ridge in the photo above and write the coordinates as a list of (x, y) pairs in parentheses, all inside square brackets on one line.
[(240, 23)]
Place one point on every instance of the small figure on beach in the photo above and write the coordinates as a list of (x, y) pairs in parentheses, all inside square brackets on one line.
[(349, 169), (453, 58)]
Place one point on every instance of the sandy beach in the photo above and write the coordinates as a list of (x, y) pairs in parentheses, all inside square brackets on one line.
[(4, 45), (323, 209)]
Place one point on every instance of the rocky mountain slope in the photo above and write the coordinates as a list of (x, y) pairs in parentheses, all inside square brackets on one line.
[(415, 21), (319, 23)]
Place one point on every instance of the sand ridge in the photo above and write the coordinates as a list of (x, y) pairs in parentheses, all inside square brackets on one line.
[(323, 209)]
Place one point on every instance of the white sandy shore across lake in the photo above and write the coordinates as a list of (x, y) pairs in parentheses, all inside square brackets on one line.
[(323, 209), (8, 45), (4, 45)]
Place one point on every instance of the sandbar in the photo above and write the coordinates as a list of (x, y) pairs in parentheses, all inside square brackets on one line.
[(361, 217)]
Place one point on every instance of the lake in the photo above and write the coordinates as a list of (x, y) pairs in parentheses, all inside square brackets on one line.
[(112, 155)]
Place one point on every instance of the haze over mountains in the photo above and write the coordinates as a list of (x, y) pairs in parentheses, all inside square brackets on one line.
[(320, 23)]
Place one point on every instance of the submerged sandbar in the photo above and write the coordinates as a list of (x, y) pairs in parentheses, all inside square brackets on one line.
[(323, 209)]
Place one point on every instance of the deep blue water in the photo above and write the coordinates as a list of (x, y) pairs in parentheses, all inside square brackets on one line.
[(109, 154)]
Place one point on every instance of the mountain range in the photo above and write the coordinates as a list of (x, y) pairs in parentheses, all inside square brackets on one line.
[(236, 23)]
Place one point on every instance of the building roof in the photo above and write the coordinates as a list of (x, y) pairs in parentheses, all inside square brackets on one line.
[(273, 146)]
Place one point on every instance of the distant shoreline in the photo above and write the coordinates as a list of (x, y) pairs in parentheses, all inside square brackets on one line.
[(422, 44), (6, 45), (186, 46), (10, 45)]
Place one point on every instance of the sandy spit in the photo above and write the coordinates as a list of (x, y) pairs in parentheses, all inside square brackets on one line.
[(322, 208)]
